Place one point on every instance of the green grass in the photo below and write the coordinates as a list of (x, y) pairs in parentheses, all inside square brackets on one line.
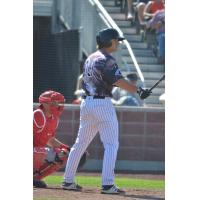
[(95, 181)]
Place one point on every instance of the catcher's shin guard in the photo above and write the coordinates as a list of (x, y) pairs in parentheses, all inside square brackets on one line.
[(54, 160), (39, 156)]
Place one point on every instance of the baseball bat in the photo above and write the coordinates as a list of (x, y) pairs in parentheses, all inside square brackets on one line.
[(162, 78)]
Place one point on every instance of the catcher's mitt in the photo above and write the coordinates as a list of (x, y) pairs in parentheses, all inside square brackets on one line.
[(66, 153), (143, 93)]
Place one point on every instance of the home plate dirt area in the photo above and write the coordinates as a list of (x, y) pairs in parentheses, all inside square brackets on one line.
[(93, 193)]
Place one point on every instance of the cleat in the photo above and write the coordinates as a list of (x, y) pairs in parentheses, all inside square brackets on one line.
[(71, 186), (112, 190)]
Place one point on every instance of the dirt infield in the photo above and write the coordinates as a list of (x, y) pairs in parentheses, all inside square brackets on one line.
[(56, 193), (92, 193)]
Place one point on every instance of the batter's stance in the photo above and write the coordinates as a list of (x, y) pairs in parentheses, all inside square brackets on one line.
[(97, 113)]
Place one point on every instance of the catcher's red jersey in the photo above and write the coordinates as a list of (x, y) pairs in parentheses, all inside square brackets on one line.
[(43, 128)]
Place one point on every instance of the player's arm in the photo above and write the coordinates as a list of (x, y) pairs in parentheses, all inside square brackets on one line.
[(55, 143), (122, 83), (125, 85), (113, 76), (147, 10)]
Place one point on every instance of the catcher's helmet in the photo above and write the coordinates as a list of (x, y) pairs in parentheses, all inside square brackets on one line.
[(105, 36), (55, 99), (51, 96)]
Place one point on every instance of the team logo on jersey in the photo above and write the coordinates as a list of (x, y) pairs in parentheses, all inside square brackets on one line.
[(118, 72)]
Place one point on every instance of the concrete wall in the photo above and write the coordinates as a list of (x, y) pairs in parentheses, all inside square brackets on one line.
[(141, 138)]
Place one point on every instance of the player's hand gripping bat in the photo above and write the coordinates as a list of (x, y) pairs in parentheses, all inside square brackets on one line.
[(144, 93)]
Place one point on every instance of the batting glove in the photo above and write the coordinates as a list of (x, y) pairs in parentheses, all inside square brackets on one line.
[(143, 93)]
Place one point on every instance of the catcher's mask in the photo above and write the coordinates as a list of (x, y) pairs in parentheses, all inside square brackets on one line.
[(105, 36), (55, 100)]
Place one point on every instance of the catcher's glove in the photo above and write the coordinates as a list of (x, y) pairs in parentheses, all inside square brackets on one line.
[(65, 152), (143, 93), (61, 155)]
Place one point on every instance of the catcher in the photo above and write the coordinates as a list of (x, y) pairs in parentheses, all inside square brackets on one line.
[(49, 154)]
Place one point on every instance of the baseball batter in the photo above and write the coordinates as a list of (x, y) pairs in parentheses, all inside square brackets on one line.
[(97, 113)]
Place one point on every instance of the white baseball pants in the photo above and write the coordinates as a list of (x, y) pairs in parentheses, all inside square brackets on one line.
[(96, 115)]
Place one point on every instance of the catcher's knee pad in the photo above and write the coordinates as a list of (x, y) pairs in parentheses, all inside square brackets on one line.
[(53, 161), (39, 156)]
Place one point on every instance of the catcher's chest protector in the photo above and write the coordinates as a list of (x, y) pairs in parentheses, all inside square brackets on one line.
[(43, 128)]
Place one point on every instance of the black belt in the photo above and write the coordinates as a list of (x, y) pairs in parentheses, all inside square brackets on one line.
[(95, 97)]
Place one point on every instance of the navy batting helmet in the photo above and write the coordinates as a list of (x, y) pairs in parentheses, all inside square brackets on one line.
[(106, 35)]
